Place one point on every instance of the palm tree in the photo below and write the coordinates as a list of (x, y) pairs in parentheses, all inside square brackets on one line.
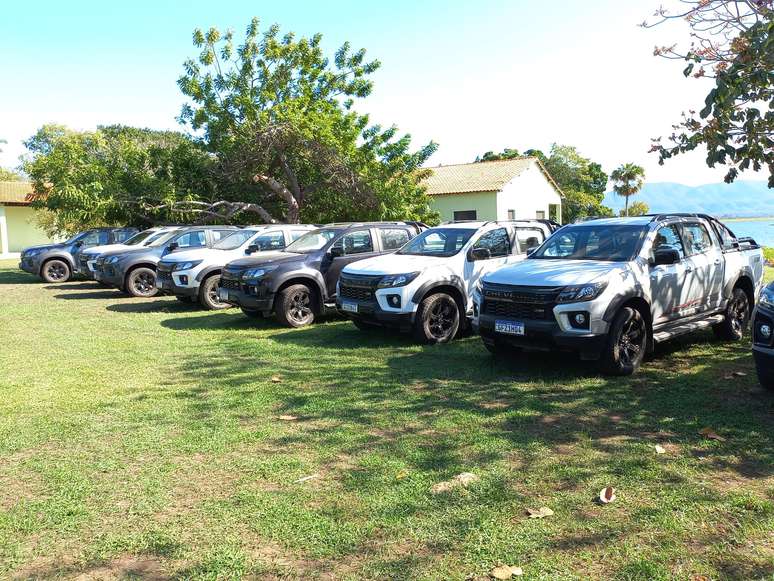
[(628, 179)]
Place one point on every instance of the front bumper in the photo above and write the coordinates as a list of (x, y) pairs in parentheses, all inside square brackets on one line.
[(85, 267), (110, 274), (172, 283), (543, 335), (31, 265), (251, 295), (371, 312)]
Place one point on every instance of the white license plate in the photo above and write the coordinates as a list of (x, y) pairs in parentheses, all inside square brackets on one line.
[(223, 294), (509, 327), (349, 306)]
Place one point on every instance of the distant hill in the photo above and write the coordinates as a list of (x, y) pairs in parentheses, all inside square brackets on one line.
[(739, 199)]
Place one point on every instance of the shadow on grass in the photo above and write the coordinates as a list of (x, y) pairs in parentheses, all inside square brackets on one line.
[(151, 305), (92, 295), (18, 277), (78, 285)]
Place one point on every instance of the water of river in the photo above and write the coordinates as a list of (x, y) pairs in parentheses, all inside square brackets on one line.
[(761, 230)]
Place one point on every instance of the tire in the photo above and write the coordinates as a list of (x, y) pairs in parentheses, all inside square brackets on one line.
[(736, 318), (252, 314), (437, 319), (141, 283), (765, 375), (56, 270), (626, 343), (296, 306), (208, 294)]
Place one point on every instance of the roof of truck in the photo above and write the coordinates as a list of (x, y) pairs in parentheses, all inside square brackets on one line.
[(630, 220)]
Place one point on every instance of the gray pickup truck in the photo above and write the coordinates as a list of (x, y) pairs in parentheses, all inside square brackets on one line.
[(613, 288), (56, 262)]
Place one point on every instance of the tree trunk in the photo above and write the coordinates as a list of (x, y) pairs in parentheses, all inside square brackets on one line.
[(626, 207)]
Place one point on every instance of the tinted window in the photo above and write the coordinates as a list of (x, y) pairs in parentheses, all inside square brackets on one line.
[(393, 238), (357, 242), (270, 241), (528, 238), (601, 242), (191, 239), (438, 242), (296, 234), (96, 238), (139, 237), (496, 241), (668, 238), (465, 215), (122, 235), (696, 239)]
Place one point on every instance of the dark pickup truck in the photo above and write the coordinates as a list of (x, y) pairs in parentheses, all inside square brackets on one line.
[(299, 283)]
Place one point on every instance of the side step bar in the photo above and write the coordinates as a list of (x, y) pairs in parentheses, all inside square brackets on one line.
[(684, 328)]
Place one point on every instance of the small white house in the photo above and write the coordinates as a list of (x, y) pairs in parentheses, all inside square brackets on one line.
[(509, 189)]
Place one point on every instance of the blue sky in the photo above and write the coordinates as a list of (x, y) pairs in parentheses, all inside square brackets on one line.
[(471, 76)]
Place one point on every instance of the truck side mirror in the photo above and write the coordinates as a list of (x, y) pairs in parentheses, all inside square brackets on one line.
[(252, 248), (479, 254), (172, 246), (665, 256), (337, 251)]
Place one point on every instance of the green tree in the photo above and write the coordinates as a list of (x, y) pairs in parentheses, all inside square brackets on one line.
[(628, 180), (118, 175), (732, 42), (8, 175), (279, 114), (638, 208), (506, 153)]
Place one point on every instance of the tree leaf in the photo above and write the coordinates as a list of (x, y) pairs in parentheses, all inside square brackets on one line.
[(660, 449), (460, 481), (506, 572), (541, 512), (276, 379), (287, 418), (711, 434)]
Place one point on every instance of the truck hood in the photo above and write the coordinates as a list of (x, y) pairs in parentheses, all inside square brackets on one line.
[(208, 254), (150, 250), (106, 248), (394, 264), (546, 272), (45, 247), (261, 258)]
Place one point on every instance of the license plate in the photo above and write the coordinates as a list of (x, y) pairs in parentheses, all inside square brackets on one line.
[(509, 327), (223, 294), (349, 307)]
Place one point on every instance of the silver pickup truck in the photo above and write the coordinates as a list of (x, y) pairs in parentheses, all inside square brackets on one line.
[(611, 289)]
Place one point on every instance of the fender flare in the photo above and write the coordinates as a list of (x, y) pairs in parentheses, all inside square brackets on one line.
[(619, 300), (205, 272), (453, 281), (58, 256), (305, 275)]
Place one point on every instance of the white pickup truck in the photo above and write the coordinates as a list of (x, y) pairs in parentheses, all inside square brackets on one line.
[(612, 288), (426, 285)]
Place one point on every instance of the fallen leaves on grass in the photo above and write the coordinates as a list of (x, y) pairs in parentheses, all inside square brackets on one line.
[(401, 474), (607, 495), (711, 434), (506, 572), (276, 379), (287, 418), (541, 512), (734, 374), (305, 478), (660, 449), (460, 481)]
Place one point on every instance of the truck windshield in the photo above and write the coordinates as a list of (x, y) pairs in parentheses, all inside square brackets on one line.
[(139, 237), (161, 238), (235, 240), (589, 242), (315, 240), (441, 242)]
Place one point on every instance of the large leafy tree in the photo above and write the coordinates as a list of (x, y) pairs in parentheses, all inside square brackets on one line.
[(628, 179), (280, 115), (732, 42), (581, 180), (119, 175)]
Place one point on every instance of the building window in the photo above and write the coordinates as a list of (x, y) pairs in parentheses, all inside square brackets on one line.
[(540, 215), (465, 215), (511, 214)]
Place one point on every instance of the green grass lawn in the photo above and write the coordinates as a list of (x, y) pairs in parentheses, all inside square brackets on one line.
[(144, 438)]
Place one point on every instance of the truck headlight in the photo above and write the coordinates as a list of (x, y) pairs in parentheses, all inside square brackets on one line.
[(257, 272), (111, 260), (393, 280), (187, 265), (585, 292), (767, 296)]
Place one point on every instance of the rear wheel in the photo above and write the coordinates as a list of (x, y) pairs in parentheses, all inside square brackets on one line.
[(141, 283), (208, 294), (296, 306), (626, 343), (56, 271), (736, 318), (437, 320)]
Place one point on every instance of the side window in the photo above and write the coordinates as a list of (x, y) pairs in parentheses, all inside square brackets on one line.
[(191, 240), (122, 235), (220, 234), (696, 238), (727, 238), (668, 237), (393, 238), (296, 234), (496, 241), (270, 241), (357, 242), (529, 238), (95, 238)]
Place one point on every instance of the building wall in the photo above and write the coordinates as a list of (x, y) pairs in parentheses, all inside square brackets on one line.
[(485, 204), (528, 194), (21, 229)]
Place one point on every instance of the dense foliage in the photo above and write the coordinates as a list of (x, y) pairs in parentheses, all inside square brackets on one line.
[(732, 43)]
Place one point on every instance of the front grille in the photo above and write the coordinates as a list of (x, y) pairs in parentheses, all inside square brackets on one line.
[(163, 277), (356, 293), (229, 283), (84, 260), (358, 287), (519, 302)]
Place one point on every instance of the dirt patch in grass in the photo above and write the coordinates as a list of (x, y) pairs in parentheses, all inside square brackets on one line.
[(125, 567)]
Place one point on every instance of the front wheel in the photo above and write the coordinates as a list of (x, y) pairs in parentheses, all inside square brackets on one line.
[(437, 320), (141, 283), (208, 294), (626, 343), (295, 306), (736, 318), (56, 271)]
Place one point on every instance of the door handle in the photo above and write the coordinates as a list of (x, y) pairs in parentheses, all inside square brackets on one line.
[(688, 269)]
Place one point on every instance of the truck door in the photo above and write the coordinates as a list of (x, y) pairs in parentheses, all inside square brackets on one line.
[(498, 242), (667, 280), (352, 246), (706, 261)]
